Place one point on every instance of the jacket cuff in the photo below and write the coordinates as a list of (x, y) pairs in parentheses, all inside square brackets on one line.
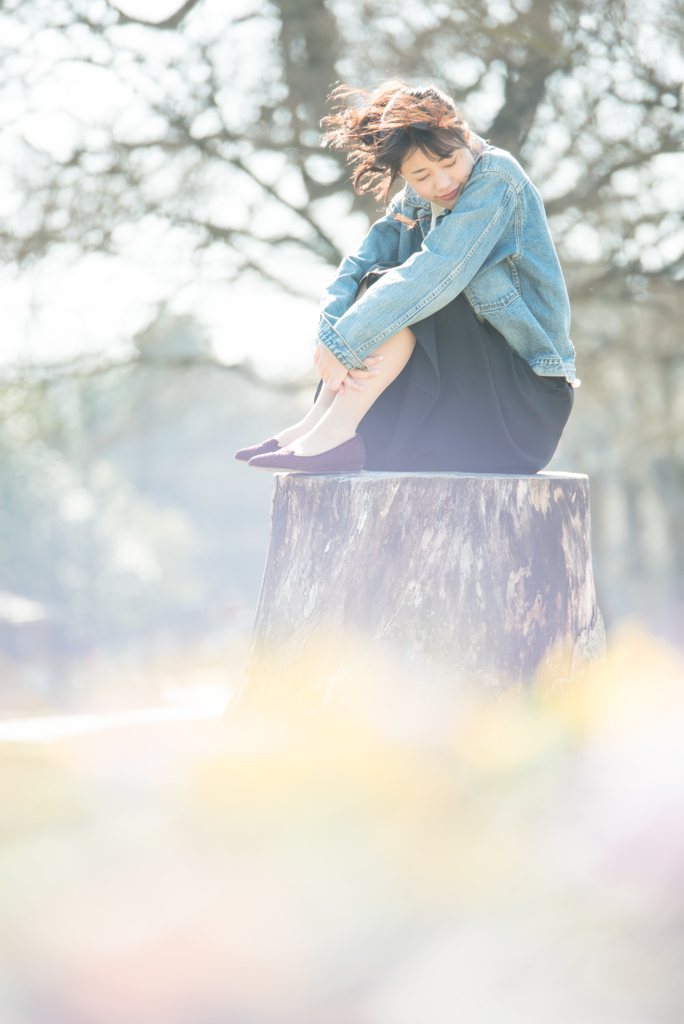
[(335, 343), (549, 366)]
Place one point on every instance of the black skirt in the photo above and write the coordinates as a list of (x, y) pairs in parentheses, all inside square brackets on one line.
[(465, 401)]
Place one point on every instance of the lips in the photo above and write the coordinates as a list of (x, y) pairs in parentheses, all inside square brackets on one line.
[(451, 195)]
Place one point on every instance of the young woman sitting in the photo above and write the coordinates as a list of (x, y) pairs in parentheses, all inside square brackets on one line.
[(443, 342)]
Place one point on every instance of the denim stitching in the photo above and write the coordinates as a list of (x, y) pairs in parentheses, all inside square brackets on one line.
[(398, 324), (358, 366)]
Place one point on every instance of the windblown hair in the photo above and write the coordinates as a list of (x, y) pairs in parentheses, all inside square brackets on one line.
[(380, 129)]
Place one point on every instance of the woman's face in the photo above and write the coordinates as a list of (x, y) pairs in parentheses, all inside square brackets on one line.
[(439, 180)]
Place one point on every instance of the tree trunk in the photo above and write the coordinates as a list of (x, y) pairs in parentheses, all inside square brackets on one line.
[(476, 580)]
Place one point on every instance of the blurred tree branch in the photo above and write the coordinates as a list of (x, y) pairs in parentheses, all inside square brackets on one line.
[(173, 21), (569, 87)]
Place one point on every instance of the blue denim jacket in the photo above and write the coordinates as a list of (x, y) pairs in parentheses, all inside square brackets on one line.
[(494, 246)]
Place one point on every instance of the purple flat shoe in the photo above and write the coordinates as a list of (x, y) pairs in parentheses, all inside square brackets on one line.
[(245, 454), (349, 457)]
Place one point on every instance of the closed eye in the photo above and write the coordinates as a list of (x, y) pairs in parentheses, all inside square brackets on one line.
[(425, 178)]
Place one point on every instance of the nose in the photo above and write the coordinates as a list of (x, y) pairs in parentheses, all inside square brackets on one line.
[(443, 181)]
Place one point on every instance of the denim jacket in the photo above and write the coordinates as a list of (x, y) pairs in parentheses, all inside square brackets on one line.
[(494, 246)]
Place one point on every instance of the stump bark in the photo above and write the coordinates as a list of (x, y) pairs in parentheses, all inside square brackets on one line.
[(469, 578)]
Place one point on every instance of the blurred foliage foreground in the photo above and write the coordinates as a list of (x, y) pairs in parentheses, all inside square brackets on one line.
[(519, 861)]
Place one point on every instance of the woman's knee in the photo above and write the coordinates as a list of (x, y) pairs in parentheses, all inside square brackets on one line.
[(404, 339)]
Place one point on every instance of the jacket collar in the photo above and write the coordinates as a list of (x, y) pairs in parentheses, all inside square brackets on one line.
[(411, 198)]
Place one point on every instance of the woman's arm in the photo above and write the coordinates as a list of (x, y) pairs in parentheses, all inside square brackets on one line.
[(449, 259), (381, 245)]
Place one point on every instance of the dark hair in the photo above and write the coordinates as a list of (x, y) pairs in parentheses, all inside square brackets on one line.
[(380, 131)]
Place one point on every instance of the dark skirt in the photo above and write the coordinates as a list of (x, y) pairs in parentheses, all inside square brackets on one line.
[(465, 401)]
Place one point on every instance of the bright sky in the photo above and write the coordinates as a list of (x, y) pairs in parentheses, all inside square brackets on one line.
[(98, 303)]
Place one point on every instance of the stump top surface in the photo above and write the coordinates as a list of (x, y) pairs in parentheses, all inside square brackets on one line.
[(435, 474)]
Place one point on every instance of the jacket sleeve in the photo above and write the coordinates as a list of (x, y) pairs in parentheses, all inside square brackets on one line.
[(449, 258), (381, 245)]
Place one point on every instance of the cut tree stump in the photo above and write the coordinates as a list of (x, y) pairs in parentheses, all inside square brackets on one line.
[(474, 579)]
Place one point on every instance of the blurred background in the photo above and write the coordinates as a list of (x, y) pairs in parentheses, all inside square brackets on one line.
[(169, 220)]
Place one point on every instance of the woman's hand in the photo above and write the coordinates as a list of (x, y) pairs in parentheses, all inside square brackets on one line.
[(336, 376)]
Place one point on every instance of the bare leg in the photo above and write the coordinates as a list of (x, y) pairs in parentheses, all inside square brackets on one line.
[(346, 411), (308, 422), (318, 409)]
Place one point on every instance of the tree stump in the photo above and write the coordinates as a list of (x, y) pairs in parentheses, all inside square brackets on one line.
[(477, 580)]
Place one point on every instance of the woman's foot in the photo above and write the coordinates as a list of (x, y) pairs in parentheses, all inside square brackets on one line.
[(291, 434), (245, 454), (323, 438), (348, 457)]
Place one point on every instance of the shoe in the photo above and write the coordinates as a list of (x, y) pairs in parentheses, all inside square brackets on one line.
[(349, 457), (245, 454)]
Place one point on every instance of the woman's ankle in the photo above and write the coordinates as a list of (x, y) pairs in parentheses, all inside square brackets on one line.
[(308, 423), (322, 439), (330, 433), (289, 434), (293, 433)]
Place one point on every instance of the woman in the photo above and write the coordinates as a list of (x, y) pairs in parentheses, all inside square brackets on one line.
[(443, 342)]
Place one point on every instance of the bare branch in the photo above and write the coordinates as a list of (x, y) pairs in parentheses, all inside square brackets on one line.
[(169, 23), (589, 197)]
